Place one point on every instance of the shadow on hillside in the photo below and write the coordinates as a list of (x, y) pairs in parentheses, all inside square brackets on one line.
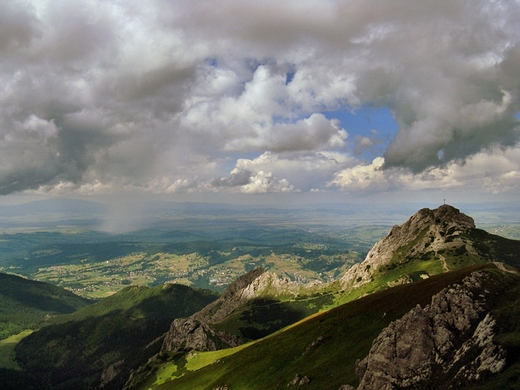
[(265, 316)]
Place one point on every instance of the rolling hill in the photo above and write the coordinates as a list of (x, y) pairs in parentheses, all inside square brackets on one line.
[(99, 344), (27, 304)]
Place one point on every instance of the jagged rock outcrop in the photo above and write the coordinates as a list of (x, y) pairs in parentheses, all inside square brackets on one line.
[(196, 332), (187, 333), (426, 234), (233, 297), (447, 344), (110, 373)]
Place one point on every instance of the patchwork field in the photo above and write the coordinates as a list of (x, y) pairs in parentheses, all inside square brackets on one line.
[(96, 265)]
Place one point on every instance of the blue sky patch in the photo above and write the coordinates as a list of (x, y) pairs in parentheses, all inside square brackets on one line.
[(375, 123)]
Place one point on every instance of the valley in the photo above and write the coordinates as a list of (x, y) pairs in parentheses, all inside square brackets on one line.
[(194, 266), (94, 264)]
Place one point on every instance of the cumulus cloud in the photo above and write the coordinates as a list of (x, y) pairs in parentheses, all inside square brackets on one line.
[(362, 176), (166, 96), (264, 182), (303, 171), (495, 171), (243, 181), (315, 132)]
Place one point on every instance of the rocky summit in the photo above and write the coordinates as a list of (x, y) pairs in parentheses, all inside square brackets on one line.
[(441, 235), (195, 332)]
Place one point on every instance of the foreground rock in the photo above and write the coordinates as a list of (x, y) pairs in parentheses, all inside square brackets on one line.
[(448, 344)]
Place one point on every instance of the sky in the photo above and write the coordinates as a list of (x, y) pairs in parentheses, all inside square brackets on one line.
[(261, 101)]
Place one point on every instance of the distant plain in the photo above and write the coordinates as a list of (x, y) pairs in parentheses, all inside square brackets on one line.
[(66, 242)]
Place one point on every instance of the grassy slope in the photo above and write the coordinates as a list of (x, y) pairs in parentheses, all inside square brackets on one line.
[(323, 347), (169, 300), (265, 315), (25, 304), (495, 247), (73, 354), (7, 350)]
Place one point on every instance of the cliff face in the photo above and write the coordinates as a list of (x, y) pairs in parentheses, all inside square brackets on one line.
[(447, 344), (195, 333), (428, 233)]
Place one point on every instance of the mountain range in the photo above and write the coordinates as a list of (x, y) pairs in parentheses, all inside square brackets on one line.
[(434, 305)]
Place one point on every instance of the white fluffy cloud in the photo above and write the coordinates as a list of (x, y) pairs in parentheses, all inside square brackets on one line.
[(494, 171), (220, 95), (287, 172), (264, 182)]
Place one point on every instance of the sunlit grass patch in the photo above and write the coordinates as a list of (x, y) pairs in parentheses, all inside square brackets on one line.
[(7, 349), (192, 361)]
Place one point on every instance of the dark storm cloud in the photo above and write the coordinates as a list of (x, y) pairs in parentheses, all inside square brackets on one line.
[(19, 25)]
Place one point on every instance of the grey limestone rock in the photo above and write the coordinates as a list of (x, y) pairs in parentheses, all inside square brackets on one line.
[(110, 373), (195, 332), (427, 231), (298, 381), (187, 334), (245, 288), (437, 341)]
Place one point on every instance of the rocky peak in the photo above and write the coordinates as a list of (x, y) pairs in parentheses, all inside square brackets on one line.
[(271, 284), (447, 213), (426, 234), (235, 295), (437, 222), (249, 286)]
